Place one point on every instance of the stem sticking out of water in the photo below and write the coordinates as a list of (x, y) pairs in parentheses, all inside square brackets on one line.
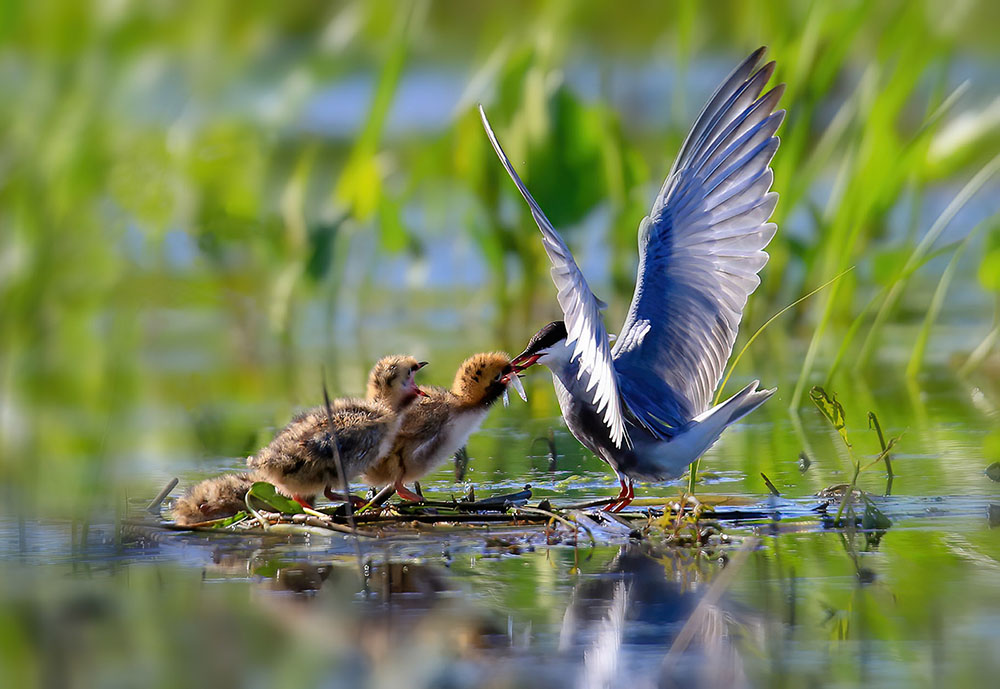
[(344, 485)]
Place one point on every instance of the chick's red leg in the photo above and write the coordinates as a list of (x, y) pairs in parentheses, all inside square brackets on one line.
[(406, 493)]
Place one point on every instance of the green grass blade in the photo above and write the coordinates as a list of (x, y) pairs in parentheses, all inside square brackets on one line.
[(693, 471), (732, 366), (939, 226), (920, 346), (858, 321)]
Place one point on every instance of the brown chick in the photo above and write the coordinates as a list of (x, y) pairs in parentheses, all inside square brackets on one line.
[(214, 498), (299, 461), (441, 423)]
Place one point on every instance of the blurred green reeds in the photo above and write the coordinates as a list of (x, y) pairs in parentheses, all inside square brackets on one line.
[(178, 230)]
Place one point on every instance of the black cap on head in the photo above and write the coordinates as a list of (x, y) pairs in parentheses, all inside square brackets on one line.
[(545, 338)]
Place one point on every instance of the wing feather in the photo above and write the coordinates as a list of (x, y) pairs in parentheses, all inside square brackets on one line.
[(581, 310), (700, 250)]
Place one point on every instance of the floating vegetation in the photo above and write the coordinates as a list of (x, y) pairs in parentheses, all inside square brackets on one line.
[(848, 495), (993, 471), (682, 522), (832, 410)]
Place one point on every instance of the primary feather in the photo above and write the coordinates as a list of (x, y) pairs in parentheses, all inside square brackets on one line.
[(581, 310), (700, 250)]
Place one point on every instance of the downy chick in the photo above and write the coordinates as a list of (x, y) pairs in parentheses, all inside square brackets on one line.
[(441, 423), (214, 498), (299, 461)]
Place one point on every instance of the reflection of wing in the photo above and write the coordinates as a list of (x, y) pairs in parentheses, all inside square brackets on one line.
[(601, 661), (581, 310), (700, 250)]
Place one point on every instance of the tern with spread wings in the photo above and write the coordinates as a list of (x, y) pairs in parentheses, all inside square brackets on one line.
[(644, 406)]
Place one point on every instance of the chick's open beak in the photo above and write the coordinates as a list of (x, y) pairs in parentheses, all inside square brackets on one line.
[(416, 389)]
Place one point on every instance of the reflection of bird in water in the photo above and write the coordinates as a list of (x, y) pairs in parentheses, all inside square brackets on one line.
[(624, 622), (645, 405), (300, 460), (411, 630), (440, 424)]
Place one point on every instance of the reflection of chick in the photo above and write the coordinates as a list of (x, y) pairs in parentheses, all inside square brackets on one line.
[(300, 461), (441, 423)]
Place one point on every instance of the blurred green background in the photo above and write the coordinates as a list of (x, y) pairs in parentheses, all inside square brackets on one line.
[(201, 204), (205, 205)]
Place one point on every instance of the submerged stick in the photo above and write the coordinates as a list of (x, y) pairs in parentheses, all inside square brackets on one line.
[(378, 500), (154, 506), (592, 503), (344, 486), (873, 423), (449, 518), (770, 486)]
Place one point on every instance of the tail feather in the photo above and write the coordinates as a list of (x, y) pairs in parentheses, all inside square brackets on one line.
[(669, 459), (737, 406), (214, 498)]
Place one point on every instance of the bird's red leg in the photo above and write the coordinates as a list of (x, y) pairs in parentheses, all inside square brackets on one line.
[(406, 493), (627, 498), (622, 495), (305, 502)]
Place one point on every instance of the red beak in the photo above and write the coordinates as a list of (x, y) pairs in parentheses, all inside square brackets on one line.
[(523, 361)]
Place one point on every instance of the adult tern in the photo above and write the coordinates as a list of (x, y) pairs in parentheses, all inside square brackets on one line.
[(645, 405)]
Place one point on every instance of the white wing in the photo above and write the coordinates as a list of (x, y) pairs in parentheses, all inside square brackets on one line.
[(700, 250), (581, 310)]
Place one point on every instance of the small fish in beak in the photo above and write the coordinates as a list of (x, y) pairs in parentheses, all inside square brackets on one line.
[(516, 382), (508, 378)]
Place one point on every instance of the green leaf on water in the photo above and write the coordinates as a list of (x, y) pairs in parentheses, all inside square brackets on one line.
[(873, 518), (269, 495), (831, 409), (227, 521), (569, 482), (993, 471)]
